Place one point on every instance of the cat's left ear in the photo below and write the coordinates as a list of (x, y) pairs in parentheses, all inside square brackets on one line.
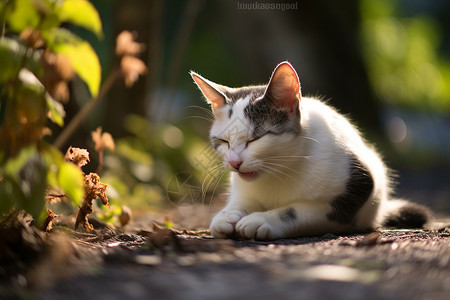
[(283, 90), (210, 90)]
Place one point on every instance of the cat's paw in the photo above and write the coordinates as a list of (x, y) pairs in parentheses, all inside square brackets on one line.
[(223, 224), (256, 226)]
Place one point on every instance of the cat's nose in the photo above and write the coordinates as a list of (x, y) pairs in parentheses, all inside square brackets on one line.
[(235, 163)]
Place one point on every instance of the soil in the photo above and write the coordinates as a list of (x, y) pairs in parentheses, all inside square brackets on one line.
[(148, 260)]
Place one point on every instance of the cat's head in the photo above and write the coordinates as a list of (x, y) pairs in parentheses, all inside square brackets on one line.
[(254, 125)]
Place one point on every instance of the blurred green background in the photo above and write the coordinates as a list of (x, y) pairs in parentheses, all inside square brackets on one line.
[(384, 63)]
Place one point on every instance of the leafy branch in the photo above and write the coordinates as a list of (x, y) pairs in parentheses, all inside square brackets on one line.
[(38, 59)]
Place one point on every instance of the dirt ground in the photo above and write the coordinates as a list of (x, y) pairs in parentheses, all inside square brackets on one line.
[(149, 261)]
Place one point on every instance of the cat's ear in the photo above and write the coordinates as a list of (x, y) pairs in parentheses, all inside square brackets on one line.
[(210, 90), (283, 90)]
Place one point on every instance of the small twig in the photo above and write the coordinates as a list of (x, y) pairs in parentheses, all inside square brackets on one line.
[(100, 161), (86, 109), (56, 195)]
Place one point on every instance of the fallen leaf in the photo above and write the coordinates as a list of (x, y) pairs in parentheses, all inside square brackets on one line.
[(125, 215), (370, 239), (163, 238)]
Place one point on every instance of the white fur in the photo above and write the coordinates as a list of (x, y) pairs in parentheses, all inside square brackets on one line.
[(306, 172)]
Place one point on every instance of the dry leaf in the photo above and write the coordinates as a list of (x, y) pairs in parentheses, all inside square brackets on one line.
[(103, 140), (370, 239), (125, 44), (125, 215), (93, 189), (47, 226), (57, 72), (163, 238), (32, 37), (77, 156), (132, 68)]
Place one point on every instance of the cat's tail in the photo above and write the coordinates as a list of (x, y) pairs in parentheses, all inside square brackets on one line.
[(400, 213)]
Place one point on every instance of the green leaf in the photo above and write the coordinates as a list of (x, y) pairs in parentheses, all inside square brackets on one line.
[(85, 63), (83, 58), (23, 15), (64, 174), (14, 165), (82, 13), (25, 181), (56, 110), (10, 193), (71, 180), (33, 182), (11, 53)]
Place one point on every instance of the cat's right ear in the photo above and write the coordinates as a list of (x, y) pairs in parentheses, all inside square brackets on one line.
[(210, 90)]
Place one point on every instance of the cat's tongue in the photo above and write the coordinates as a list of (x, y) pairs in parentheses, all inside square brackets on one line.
[(248, 175)]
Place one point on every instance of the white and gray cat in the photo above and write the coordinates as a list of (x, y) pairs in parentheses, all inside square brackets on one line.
[(299, 167)]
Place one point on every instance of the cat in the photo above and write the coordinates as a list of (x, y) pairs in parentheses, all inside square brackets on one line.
[(299, 168)]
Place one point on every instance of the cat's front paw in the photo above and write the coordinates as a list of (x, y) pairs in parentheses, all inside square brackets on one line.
[(223, 224), (256, 226)]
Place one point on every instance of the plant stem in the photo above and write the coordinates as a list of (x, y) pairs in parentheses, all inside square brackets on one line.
[(86, 110)]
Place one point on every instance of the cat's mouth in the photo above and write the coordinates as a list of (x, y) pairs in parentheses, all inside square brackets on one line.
[(248, 175)]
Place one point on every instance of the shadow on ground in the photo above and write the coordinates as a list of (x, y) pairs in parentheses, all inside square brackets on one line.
[(156, 262)]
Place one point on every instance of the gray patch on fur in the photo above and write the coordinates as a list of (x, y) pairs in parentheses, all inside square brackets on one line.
[(358, 190), (288, 215), (265, 117), (253, 91)]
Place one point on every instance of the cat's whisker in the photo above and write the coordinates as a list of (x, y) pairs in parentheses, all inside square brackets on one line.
[(210, 117), (208, 111), (282, 166), (215, 187), (211, 176), (271, 170), (288, 158), (199, 117), (309, 138), (268, 170), (279, 175)]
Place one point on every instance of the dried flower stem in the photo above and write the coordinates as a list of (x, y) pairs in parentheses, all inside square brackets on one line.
[(86, 109)]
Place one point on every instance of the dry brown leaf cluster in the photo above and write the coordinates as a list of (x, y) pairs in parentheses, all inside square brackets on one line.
[(165, 239), (93, 188), (47, 226), (32, 37), (125, 44), (127, 50), (77, 156), (57, 73), (57, 68), (103, 140)]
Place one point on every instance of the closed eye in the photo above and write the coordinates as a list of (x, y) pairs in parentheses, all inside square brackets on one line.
[(217, 142), (258, 137), (252, 140)]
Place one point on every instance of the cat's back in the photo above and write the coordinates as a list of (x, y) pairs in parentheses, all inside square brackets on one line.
[(323, 122)]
